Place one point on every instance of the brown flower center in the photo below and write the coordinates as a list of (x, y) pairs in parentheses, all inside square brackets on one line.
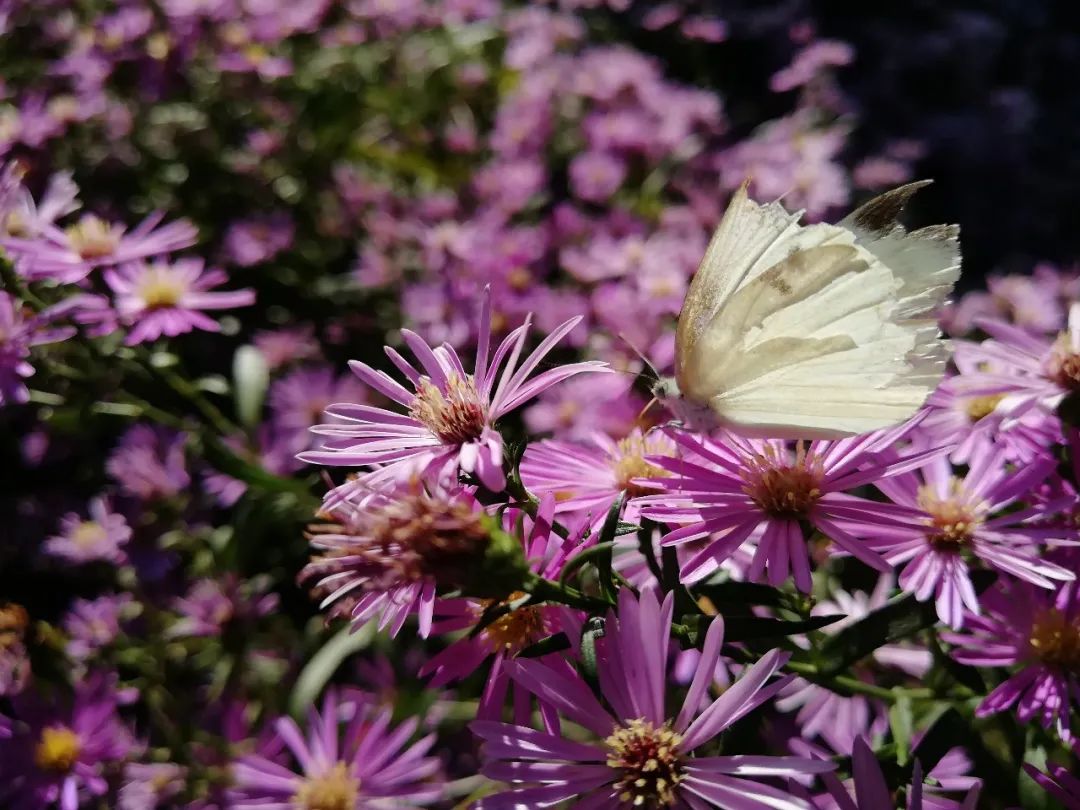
[(516, 629), (336, 789), (1063, 365), (1055, 640), (455, 414), (649, 763), (57, 749), (953, 520), (93, 238), (781, 487)]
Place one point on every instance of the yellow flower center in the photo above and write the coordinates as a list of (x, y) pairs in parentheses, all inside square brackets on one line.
[(160, 287), (336, 789), (57, 750), (455, 415), (15, 224), (93, 238), (953, 520), (781, 487), (88, 534), (630, 462), (1055, 640), (649, 763), (515, 629), (980, 407)]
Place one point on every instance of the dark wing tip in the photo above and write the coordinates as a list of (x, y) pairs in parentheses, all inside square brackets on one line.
[(880, 213)]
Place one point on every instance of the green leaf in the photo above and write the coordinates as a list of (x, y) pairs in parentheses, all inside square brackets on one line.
[(900, 618), (902, 724), (251, 378), (551, 644), (741, 593), (748, 628), (322, 666)]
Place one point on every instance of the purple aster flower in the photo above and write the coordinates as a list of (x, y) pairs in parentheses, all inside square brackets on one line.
[(587, 478), (60, 755), (868, 790), (150, 785), (280, 347), (451, 413), (99, 536), (299, 400), (1060, 781), (213, 605), (70, 254), (92, 624), (161, 298), (595, 176), (584, 405), (148, 463), (387, 550), (368, 763), (258, 239), (26, 219), (14, 661), (638, 754), (955, 517), (742, 485), (270, 448), (18, 334), (521, 625), (1037, 631)]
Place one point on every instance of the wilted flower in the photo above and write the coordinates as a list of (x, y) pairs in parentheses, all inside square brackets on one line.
[(451, 414), (166, 298), (14, 662), (368, 763)]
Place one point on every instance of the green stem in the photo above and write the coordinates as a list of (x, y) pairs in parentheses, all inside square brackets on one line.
[(845, 684), (544, 590)]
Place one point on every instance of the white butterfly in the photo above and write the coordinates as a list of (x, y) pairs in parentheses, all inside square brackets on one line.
[(812, 331)]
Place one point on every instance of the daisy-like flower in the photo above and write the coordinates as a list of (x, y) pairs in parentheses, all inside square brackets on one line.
[(587, 478), (300, 399), (19, 333), (956, 521), (1028, 371), (26, 218), (148, 463), (451, 414), (160, 298), (387, 552), (1037, 631), (351, 757), (59, 756), (519, 625), (638, 754), (99, 536), (741, 486), (70, 254), (213, 605), (868, 790), (1060, 781)]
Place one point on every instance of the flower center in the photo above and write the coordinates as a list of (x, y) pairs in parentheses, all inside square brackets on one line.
[(455, 415), (15, 224), (649, 762), (160, 288), (513, 631), (1063, 366), (1055, 640), (630, 462), (57, 750), (783, 488), (953, 520), (93, 238), (980, 407), (336, 789), (88, 534), (13, 623)]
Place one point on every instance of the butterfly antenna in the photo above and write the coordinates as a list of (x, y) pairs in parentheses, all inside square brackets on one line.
[(648, 406), (641, 355)]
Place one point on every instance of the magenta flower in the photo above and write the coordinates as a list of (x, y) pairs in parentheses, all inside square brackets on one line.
[(741, 485), (1037, 631), (451, 414), (58, 755), (368, 763), (70, 254), (213, 605), (638, 755), (300, 398), (521, 625), (384, 551), (99, 536), (161, 298), (18, 334), (148, 463), (92, 624), (1060, 781), (955, 518), (595, 176), (259, 239)]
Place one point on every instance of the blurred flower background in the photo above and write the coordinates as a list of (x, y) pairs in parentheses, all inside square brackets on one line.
[(215, 213)]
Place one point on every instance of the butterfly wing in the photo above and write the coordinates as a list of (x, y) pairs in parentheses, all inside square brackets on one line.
[(829, 333)]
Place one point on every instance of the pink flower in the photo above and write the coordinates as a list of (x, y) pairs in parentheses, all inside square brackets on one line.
[(595, 176), (451, 414), (97, 537), (19, 333), (166, 299)]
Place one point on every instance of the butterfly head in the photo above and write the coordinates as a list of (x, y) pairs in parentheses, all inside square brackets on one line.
[(686, 412)]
